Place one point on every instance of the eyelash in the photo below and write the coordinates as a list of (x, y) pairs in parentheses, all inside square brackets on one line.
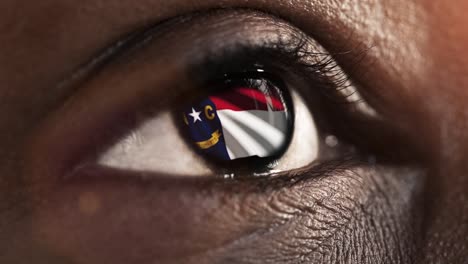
[(326, 81), (325, 77)]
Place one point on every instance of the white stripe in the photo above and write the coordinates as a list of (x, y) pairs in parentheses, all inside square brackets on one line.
[(237, 150), (258, 124), (243, 138)]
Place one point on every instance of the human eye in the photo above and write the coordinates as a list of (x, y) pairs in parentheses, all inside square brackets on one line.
[(266, 101), (248, 124)]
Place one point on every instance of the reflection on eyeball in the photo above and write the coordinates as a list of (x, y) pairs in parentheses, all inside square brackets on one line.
[(244, 121), (255, 122)]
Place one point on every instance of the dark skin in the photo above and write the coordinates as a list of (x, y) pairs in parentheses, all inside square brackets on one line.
[(408, 210)]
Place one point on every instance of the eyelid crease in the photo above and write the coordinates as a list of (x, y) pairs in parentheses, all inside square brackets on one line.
[(114, 51), (97, 62)]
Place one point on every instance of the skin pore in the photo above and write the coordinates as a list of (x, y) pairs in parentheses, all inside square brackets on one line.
[(55, 88)]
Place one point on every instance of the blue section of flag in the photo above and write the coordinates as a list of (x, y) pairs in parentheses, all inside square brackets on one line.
[(203, 123)]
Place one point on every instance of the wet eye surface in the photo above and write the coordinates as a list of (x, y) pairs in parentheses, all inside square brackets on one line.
[(248, 119)]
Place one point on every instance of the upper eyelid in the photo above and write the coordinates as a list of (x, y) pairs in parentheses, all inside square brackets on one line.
[(147, 34), (266, 31), (146, 45), (140, 37), (121, 50)]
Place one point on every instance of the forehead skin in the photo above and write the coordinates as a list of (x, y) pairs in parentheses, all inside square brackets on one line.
[(419, 75)]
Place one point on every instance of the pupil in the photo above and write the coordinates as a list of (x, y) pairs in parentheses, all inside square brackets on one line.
[(249, 119)]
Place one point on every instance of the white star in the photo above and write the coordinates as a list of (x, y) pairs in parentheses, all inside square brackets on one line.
[(195, 115)]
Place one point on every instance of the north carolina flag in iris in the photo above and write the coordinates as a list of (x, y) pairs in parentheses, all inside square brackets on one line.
[(239, 123)]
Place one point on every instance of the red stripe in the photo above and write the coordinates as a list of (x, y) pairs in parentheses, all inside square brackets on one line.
[(259, 96), (241, 99), (223, 105)]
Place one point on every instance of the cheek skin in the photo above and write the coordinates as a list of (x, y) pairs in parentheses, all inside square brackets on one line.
[(317, 220), (447, 95)]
